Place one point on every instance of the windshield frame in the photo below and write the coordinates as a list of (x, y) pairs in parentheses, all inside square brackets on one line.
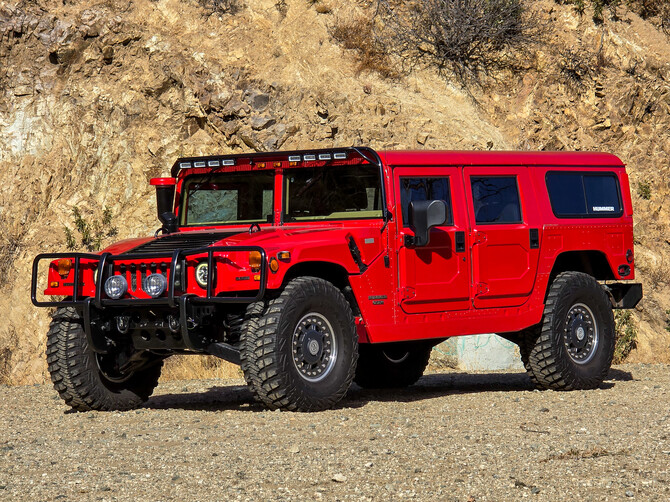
[(209, 177), (339, 215)]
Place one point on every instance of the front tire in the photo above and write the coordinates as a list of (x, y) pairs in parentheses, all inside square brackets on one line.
[(88, 381), (391, 365), (301, 354), (575, 347)]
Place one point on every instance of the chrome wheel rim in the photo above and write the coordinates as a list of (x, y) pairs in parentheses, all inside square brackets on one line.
[(397, 358), (313, 347), (580, 334)]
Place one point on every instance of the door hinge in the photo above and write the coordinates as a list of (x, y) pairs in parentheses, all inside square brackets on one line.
[(482, 288), (408, 293), (480, 237)]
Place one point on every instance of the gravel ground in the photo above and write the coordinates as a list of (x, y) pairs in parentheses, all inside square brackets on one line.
[(453, 436)]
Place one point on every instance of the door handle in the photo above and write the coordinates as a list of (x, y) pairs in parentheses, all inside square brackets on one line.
[(534, 238), (459, 239)]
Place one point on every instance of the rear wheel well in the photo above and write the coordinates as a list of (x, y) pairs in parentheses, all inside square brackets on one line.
[(593, 263), (335, 274)]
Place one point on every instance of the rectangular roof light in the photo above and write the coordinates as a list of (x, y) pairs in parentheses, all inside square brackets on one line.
[(199, 164), (213, 163), (228, 162), (324, 156), (294, 158), (309, 157), (340, 155), (185, 165)]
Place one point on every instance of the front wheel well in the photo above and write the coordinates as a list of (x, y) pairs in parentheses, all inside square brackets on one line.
[(335, 274)]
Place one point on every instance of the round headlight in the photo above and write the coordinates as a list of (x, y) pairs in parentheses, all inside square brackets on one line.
[(116, 286), (155, 285), (201, 274)]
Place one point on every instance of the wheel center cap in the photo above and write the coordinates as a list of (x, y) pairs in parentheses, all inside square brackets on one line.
[(312, 346), (580, 333)]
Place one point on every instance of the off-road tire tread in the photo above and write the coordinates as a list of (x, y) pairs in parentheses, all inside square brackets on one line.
[(75, 375), (548, 361), (526, 342), (265, 349), (248, 363), (374, 371)]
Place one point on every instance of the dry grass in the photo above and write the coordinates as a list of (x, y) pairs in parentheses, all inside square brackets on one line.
[(10, 245), (357, 34), (198, 368), (7, 344)]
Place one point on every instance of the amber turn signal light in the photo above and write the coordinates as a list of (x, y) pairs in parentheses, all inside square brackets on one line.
[(63, 267), (274, 265), (255, 260), (284, 256)]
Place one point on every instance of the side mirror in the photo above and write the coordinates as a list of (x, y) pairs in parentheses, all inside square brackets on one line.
[(424, 215)]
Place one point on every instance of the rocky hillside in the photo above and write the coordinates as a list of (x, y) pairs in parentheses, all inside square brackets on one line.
[(96, 99)]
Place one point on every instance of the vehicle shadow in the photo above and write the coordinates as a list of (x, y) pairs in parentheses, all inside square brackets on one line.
[(431, 386)]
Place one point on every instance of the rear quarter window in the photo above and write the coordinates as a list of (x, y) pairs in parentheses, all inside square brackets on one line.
[(584, 195)]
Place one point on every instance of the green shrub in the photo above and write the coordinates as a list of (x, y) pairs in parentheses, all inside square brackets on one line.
[(644, 190), (598, 7), (626, 335), (91, 234)]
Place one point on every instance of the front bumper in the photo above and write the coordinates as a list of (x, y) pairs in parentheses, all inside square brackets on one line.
[(184, 304)]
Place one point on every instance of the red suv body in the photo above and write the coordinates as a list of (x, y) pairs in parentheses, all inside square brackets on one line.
[(387, 253)]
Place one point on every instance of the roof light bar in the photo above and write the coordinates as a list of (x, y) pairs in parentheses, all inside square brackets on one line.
[(308, 157), (294, 158)]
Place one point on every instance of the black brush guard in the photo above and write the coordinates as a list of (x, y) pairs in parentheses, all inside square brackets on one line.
[(181, 302)]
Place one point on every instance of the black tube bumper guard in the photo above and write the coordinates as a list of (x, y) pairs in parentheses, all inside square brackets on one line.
[(182, 302)]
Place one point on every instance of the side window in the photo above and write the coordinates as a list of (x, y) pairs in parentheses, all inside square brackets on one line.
[(584, 195), (425, 188), (496, 199)]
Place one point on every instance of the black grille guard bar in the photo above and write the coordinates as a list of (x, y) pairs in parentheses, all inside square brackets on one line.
[(171, 300)]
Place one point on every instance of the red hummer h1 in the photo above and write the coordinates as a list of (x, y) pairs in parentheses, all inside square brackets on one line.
[(313, 269)]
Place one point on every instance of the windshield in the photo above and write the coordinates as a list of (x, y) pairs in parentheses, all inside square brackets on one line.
[(333, 192), (228, 198)]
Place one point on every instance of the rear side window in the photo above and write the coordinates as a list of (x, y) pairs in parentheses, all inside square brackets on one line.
[(496, 199), (424, 188), (584, 195)]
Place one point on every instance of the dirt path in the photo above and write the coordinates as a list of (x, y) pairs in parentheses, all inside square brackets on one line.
[(453, 436)]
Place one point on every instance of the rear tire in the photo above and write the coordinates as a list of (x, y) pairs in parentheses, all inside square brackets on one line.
[(575, 347), (87, 381), (301, 354), (391, 365)]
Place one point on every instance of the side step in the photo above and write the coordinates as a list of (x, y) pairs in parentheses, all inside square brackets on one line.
[(225, 351)]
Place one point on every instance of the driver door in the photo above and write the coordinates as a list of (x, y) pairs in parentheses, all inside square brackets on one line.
[(435, 277)]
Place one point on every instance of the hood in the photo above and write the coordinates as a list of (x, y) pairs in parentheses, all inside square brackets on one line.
[(168, 243)]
